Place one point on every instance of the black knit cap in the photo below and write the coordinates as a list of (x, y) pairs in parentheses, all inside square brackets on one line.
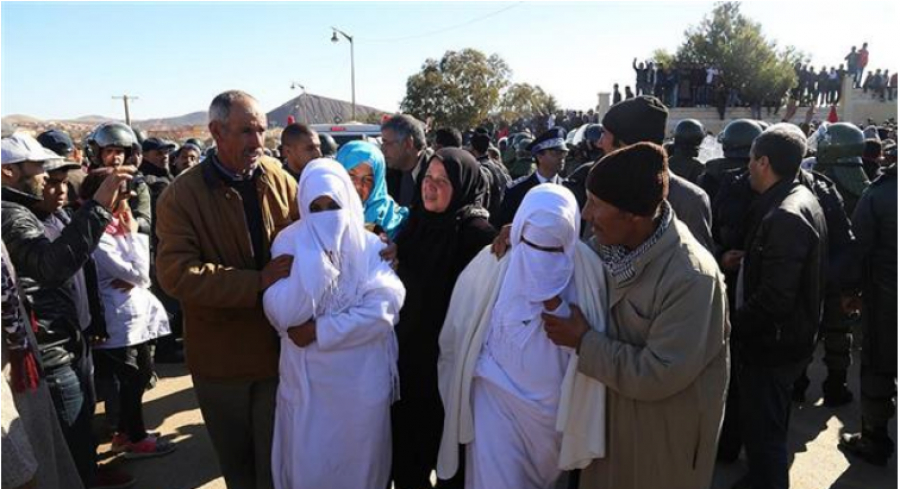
[(635, 178), (637, 119)]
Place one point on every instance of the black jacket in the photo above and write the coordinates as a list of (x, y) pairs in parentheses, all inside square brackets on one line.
[(394, 180), (157, 180), (783, 277), (872, 269), (514, 196), (840, 235), (873, 261), (686, 165), (499, 179), (46, 269)]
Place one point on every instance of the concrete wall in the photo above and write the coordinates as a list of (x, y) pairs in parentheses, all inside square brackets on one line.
[(855, 106)]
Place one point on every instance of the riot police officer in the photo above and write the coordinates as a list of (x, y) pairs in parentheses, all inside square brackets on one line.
[(839, 151), (591, 152), (524, 164), (113, 144), (689, 135), (736, 140), (874, 270), (328, 145)]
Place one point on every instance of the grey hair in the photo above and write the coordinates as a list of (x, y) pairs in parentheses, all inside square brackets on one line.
[(220, 108), (407, 126)]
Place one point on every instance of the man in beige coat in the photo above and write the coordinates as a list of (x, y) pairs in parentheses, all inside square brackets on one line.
[(664, 356), (216, 223)]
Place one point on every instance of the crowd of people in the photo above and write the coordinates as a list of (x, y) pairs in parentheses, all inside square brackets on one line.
[(506, 309), (697, 85)]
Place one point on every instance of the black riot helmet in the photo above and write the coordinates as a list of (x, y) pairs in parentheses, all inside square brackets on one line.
[(139, 135), (592, 135), (840, 143), (110, 134), (738, 136), (689, 133), (328, 145)]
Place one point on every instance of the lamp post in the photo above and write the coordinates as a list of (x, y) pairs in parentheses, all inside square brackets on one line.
[(334, 38)]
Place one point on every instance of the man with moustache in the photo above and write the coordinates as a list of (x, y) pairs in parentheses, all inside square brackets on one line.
[(216, 223)]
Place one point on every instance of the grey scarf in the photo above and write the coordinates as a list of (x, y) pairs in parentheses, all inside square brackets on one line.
[(619, 260)]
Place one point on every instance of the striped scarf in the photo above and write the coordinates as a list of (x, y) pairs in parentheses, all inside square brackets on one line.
[(619, 260)]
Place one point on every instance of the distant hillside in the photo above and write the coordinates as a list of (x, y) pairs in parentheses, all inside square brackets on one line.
[(307, 108), (90, 119), (17, 119), (315, 109), (193, 119)]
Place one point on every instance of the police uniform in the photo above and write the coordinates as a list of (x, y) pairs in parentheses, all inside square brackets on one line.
[(689, 135), (875, 268), (736, 140), (555, 138)]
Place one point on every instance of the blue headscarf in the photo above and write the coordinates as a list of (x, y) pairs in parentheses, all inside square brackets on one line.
[(379, 208)]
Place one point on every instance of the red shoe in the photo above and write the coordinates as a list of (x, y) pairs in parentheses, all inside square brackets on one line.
[(150, 446), (120, 443)]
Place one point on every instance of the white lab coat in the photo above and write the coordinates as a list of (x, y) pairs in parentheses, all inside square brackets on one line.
[(134, 316)]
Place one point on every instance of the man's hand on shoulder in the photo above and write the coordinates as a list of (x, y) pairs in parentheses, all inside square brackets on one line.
[(275, 270)]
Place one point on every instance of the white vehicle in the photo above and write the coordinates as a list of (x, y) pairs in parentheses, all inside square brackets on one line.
[(350, 131)]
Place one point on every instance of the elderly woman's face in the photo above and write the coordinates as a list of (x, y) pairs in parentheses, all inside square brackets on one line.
[(363, 179), (437, 191)]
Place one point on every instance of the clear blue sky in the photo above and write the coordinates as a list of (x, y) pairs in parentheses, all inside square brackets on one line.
[(63, 60)]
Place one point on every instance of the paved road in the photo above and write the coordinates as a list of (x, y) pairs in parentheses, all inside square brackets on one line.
[(171, 408)]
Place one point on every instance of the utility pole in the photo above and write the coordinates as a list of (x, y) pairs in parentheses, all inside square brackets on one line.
[(125, 99)]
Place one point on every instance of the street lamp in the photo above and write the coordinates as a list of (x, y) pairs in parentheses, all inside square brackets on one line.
[(334, 38)]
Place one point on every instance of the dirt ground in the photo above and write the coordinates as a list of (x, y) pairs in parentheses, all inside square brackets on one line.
[(171, 408)]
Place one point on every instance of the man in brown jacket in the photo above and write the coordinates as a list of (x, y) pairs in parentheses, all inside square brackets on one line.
[(215, 224), (664, 356)]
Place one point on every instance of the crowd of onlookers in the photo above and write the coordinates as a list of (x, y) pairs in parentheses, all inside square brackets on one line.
[(116, 247), (696, 85)]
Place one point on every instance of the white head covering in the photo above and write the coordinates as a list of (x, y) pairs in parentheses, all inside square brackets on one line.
[(331, 244), (548, 217)]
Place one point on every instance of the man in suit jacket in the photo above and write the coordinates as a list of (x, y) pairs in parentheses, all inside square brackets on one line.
[(550, 151)]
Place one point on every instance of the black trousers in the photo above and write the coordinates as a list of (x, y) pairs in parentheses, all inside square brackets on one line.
[(878, 375), (132, 367), (416, 427), (765, 412)]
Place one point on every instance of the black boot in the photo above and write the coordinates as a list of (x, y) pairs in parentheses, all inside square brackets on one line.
[(834, 389), (872, 445)]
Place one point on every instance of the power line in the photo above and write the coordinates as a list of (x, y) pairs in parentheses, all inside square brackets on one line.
[(441, 31)]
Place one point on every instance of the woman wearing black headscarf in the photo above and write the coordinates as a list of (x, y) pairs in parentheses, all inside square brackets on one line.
[(442, 235)]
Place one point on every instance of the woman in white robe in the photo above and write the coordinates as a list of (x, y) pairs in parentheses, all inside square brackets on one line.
[(335, 314), (524, 396)]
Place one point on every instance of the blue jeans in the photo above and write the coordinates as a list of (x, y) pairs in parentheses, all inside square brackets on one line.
[(71, 388), (765, 411)]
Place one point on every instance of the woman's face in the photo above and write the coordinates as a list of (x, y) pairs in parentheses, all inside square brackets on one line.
[(363, 179), (322, 204), (437, 191)]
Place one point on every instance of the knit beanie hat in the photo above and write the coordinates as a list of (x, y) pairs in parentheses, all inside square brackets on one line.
[(635, 178), (637, 119)]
